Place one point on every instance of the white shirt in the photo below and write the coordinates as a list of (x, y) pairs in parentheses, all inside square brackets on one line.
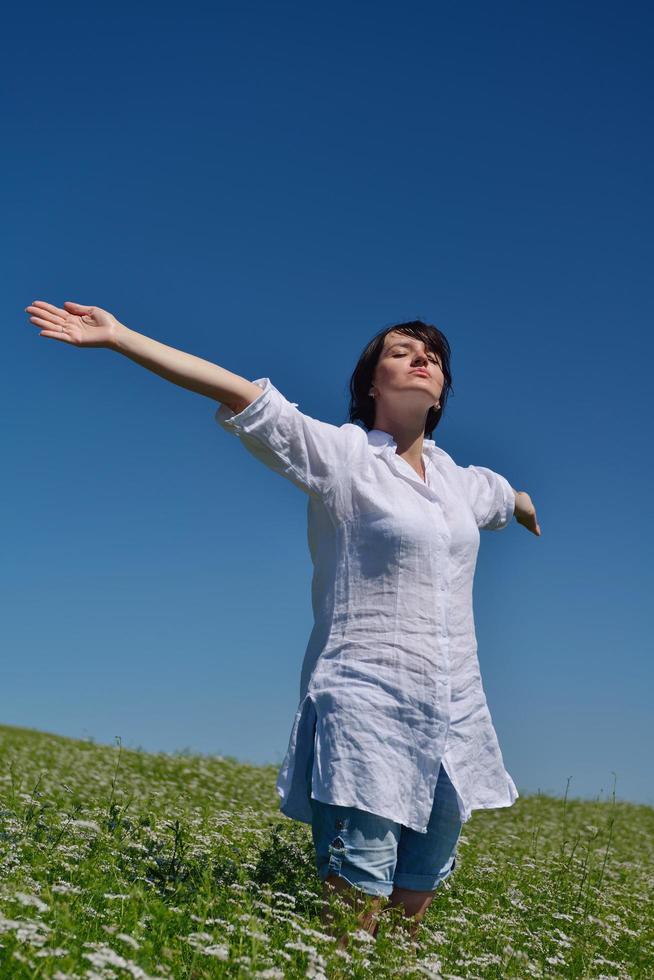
[(390, 685)]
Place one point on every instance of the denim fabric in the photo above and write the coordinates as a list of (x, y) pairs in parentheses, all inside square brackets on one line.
[(374, 853)]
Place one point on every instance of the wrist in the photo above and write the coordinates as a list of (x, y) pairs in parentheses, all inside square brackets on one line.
[(118, 340)]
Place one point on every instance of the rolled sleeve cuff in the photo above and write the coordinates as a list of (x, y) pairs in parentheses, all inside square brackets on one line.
[(252, 416), (508, 507)]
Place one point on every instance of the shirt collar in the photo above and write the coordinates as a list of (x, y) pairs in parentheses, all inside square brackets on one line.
[(381, 441)]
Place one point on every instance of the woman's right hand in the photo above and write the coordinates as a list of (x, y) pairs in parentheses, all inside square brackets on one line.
[(82, 326)]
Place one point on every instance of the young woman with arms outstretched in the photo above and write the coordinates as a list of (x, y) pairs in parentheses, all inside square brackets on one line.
[(392, 745)]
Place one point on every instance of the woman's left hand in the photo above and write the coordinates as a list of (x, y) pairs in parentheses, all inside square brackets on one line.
[(525, 512)]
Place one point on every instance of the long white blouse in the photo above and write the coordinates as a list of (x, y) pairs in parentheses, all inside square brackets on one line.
[(390, 684)]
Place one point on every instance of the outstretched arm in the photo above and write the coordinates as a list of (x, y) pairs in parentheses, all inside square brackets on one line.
[(494, 501), (525, 512), (91, 326)]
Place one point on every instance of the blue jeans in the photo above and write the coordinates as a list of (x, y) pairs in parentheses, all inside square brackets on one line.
[(374, 853)]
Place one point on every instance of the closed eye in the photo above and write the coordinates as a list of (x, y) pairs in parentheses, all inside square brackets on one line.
[(433, 359)]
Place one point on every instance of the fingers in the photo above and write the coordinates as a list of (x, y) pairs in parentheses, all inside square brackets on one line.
[(48, 324), (48, 307), (44, 317), (63, 337)]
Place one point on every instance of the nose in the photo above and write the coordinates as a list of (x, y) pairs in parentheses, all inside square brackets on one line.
[(422, 359)]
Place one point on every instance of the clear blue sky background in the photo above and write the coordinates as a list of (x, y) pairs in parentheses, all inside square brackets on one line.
[(266, 186)]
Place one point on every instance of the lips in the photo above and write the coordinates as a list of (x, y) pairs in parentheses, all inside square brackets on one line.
[(424, 374)]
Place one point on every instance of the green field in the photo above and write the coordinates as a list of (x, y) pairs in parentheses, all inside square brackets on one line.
[(121, 863)]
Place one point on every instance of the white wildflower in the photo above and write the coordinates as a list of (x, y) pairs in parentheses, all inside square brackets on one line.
[(197, 939), (290, 898), (88, 824), (32, 932), (6, 925), (221, 952), (517, 903), (128, 939), (264, 906), (32, 900), (431, 967), (302, 947), (315, 972), (105, 956), (312, 933)]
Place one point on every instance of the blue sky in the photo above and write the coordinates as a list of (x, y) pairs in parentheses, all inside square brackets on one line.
[(267, 186)]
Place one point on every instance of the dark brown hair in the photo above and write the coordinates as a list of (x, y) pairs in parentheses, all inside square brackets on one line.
[(362, 405)]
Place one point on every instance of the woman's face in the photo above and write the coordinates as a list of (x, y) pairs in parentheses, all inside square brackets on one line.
[(396, 372)]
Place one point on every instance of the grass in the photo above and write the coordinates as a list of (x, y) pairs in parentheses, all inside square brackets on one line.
[(119, 863)]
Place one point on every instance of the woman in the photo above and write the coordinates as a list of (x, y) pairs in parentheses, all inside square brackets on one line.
[(392, 745)]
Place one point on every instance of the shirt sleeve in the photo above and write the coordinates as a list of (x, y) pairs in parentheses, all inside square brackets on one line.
[(491, 497), (306, 451)]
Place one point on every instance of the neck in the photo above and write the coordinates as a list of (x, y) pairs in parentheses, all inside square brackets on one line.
[(408, 437)]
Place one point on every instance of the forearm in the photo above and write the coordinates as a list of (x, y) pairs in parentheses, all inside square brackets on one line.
[(519, 496), (185, 370)]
